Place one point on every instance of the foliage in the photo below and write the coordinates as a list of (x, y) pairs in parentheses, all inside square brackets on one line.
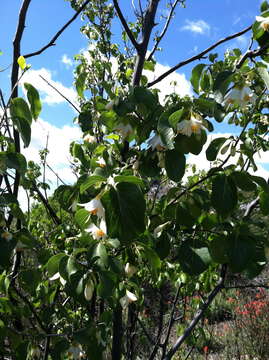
[(138, 226)]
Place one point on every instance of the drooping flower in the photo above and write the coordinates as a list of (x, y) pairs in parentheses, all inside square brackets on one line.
[(97, 232), (110, 105), (6, 236), (95, 207), (189, 127), (264, 22), (88, 290), (130, 270), (124, 130), (127, 299), (241, 97), (156, 143), (101, 162), (89, 138), (76, 352)]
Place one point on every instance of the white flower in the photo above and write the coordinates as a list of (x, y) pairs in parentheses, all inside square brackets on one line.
[(89, 138), (130, 270), (95, 207), (101, 162), (124, 130), (264, 22), (127, 299), (189, 127), (76, 352), (98, 232), (241, 97), (88, 291), (156, 143), (6, 236)]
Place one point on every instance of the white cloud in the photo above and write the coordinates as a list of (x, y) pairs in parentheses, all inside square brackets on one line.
[(198, 27), (48, 94), (59, 140), (174, 82), (67, 61)]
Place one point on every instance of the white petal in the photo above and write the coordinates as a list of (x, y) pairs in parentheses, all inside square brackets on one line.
[(131, 297)]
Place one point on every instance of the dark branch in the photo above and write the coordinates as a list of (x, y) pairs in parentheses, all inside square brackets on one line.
[(15, 75), (125, 25), (63, 96), (251, 54), (159, 38), (199, 314), (55, 37), (198, 56)]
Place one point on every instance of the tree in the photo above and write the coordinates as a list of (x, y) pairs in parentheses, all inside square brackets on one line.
[(138, 231)]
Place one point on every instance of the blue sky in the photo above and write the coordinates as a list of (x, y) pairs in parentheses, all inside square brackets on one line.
[(193, 29)]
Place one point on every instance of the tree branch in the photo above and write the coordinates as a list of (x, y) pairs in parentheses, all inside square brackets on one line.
[(15, 75), (63, 96), (125, 25), (159, 38), (198, 56), (199, 314), (250, 54), (55, 37)]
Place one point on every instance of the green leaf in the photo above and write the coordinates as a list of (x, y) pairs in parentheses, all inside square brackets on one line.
[(34, 100), (53, 263), (240, 252), (145, 97), (218, 248), (196, 75), (20, 109), (106, 285), (101, 253), (221, 83), (22, 63), (22, 118), (214, 147), (82, 218), (166, 132), (264, 75), (125, 211), (149, 65), (264, 6), (16, 161), (94, 180), (244, 181), (6, 250), (71, 266), (129, 179), (224, 194), (193, 261), (264, 202), (80, 84), (175, 117), (261, 182), (175, 163)]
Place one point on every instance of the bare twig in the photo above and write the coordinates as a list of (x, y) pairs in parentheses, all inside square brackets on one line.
[(171, 321), (198, 56), (165, 28), (199, 314), (125, 25), (63, 96), (55, 37)]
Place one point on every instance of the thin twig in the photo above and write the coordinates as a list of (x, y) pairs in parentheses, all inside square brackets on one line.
[(55, 37), (125, 25), (162, 34), (63, 96), (198, 56), (199, 314)]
